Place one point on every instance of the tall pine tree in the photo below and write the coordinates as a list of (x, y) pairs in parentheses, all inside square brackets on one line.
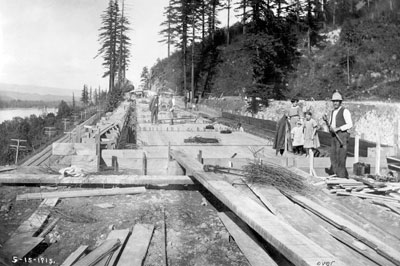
[(114, 43)]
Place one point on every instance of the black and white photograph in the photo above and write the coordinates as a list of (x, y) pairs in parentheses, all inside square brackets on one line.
[(200, 132)]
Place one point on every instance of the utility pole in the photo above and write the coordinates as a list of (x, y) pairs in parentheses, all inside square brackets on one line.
[(17, 148), (65, 121), (49, 131), (75, 117)]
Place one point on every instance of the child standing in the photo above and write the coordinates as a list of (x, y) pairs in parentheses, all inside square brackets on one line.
[(311, 140), (298, 138)]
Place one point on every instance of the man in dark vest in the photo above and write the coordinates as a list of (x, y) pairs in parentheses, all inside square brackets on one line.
[(340, 123)]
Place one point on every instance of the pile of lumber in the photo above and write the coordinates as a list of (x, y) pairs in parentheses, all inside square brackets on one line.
[(385, 194), (122, 247)]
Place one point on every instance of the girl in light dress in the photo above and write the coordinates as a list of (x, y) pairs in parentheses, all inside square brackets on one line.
[(311, 140)]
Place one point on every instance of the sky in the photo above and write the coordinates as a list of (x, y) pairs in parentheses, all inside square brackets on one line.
[(53, 43)]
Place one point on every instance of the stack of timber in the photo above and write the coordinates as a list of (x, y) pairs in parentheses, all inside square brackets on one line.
[(385, 194), (121, 248)]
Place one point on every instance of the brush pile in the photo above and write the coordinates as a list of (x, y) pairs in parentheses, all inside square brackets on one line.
[(275, 175)]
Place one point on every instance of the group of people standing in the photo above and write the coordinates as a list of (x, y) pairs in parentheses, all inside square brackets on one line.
[(154, 107), (300, 131), (297, 132)]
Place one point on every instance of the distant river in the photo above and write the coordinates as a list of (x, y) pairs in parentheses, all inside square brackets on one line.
[(9, 113)]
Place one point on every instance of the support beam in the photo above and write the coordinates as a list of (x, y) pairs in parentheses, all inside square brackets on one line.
[(356, 148), (82, 193), (111, 180)]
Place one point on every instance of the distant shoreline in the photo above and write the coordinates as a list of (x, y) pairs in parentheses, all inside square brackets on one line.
[(10, 113)]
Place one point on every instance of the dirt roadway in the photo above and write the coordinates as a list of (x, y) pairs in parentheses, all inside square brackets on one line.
[(195, 235)]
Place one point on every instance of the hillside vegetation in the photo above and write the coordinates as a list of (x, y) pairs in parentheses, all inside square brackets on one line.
[(372, 58), (280, 58)]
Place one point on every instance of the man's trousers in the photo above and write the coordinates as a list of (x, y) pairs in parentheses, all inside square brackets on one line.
[(338, 154)]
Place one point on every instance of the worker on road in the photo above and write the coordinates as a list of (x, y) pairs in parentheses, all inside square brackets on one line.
[(172, 109), (154, 105), (339, 125)]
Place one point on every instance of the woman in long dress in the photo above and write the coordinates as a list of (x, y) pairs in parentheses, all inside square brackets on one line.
[(294, 113)]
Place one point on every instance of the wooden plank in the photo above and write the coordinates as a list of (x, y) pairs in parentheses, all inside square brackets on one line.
[(49, 227), (95, 179), (164, 239), (74, 256), (367, 252), (368, 196), (246, 240), (352, 229), (99, 253), (394, 208), (301, 221), (37, 219), (19, 246), (82, 193), (135, 250), (292, 244), (122, 235), (7, 168), (22, 240)]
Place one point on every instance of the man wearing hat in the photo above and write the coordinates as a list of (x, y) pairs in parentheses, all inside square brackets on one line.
[(339, 126)]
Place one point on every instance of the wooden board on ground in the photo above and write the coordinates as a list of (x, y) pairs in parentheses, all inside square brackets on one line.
[(135, 250), (74, 256), (99, 253), (368, 196), (301, 221), (19, 246), (122, 235), (292, 244), (22, 240), (95, 179), (37, 219), (352, 229), (82, 193), (246, 240)]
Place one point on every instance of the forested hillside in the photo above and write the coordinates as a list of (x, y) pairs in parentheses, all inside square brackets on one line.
[(281, 49)]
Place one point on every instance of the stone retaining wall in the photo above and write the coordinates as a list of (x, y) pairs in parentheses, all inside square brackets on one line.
[(371, 119)]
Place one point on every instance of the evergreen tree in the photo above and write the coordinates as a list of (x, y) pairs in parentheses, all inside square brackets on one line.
[(73, 101), (114, 43), (145, 78), (95, 97), (63, 110), (123, 46), (85, 95)]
